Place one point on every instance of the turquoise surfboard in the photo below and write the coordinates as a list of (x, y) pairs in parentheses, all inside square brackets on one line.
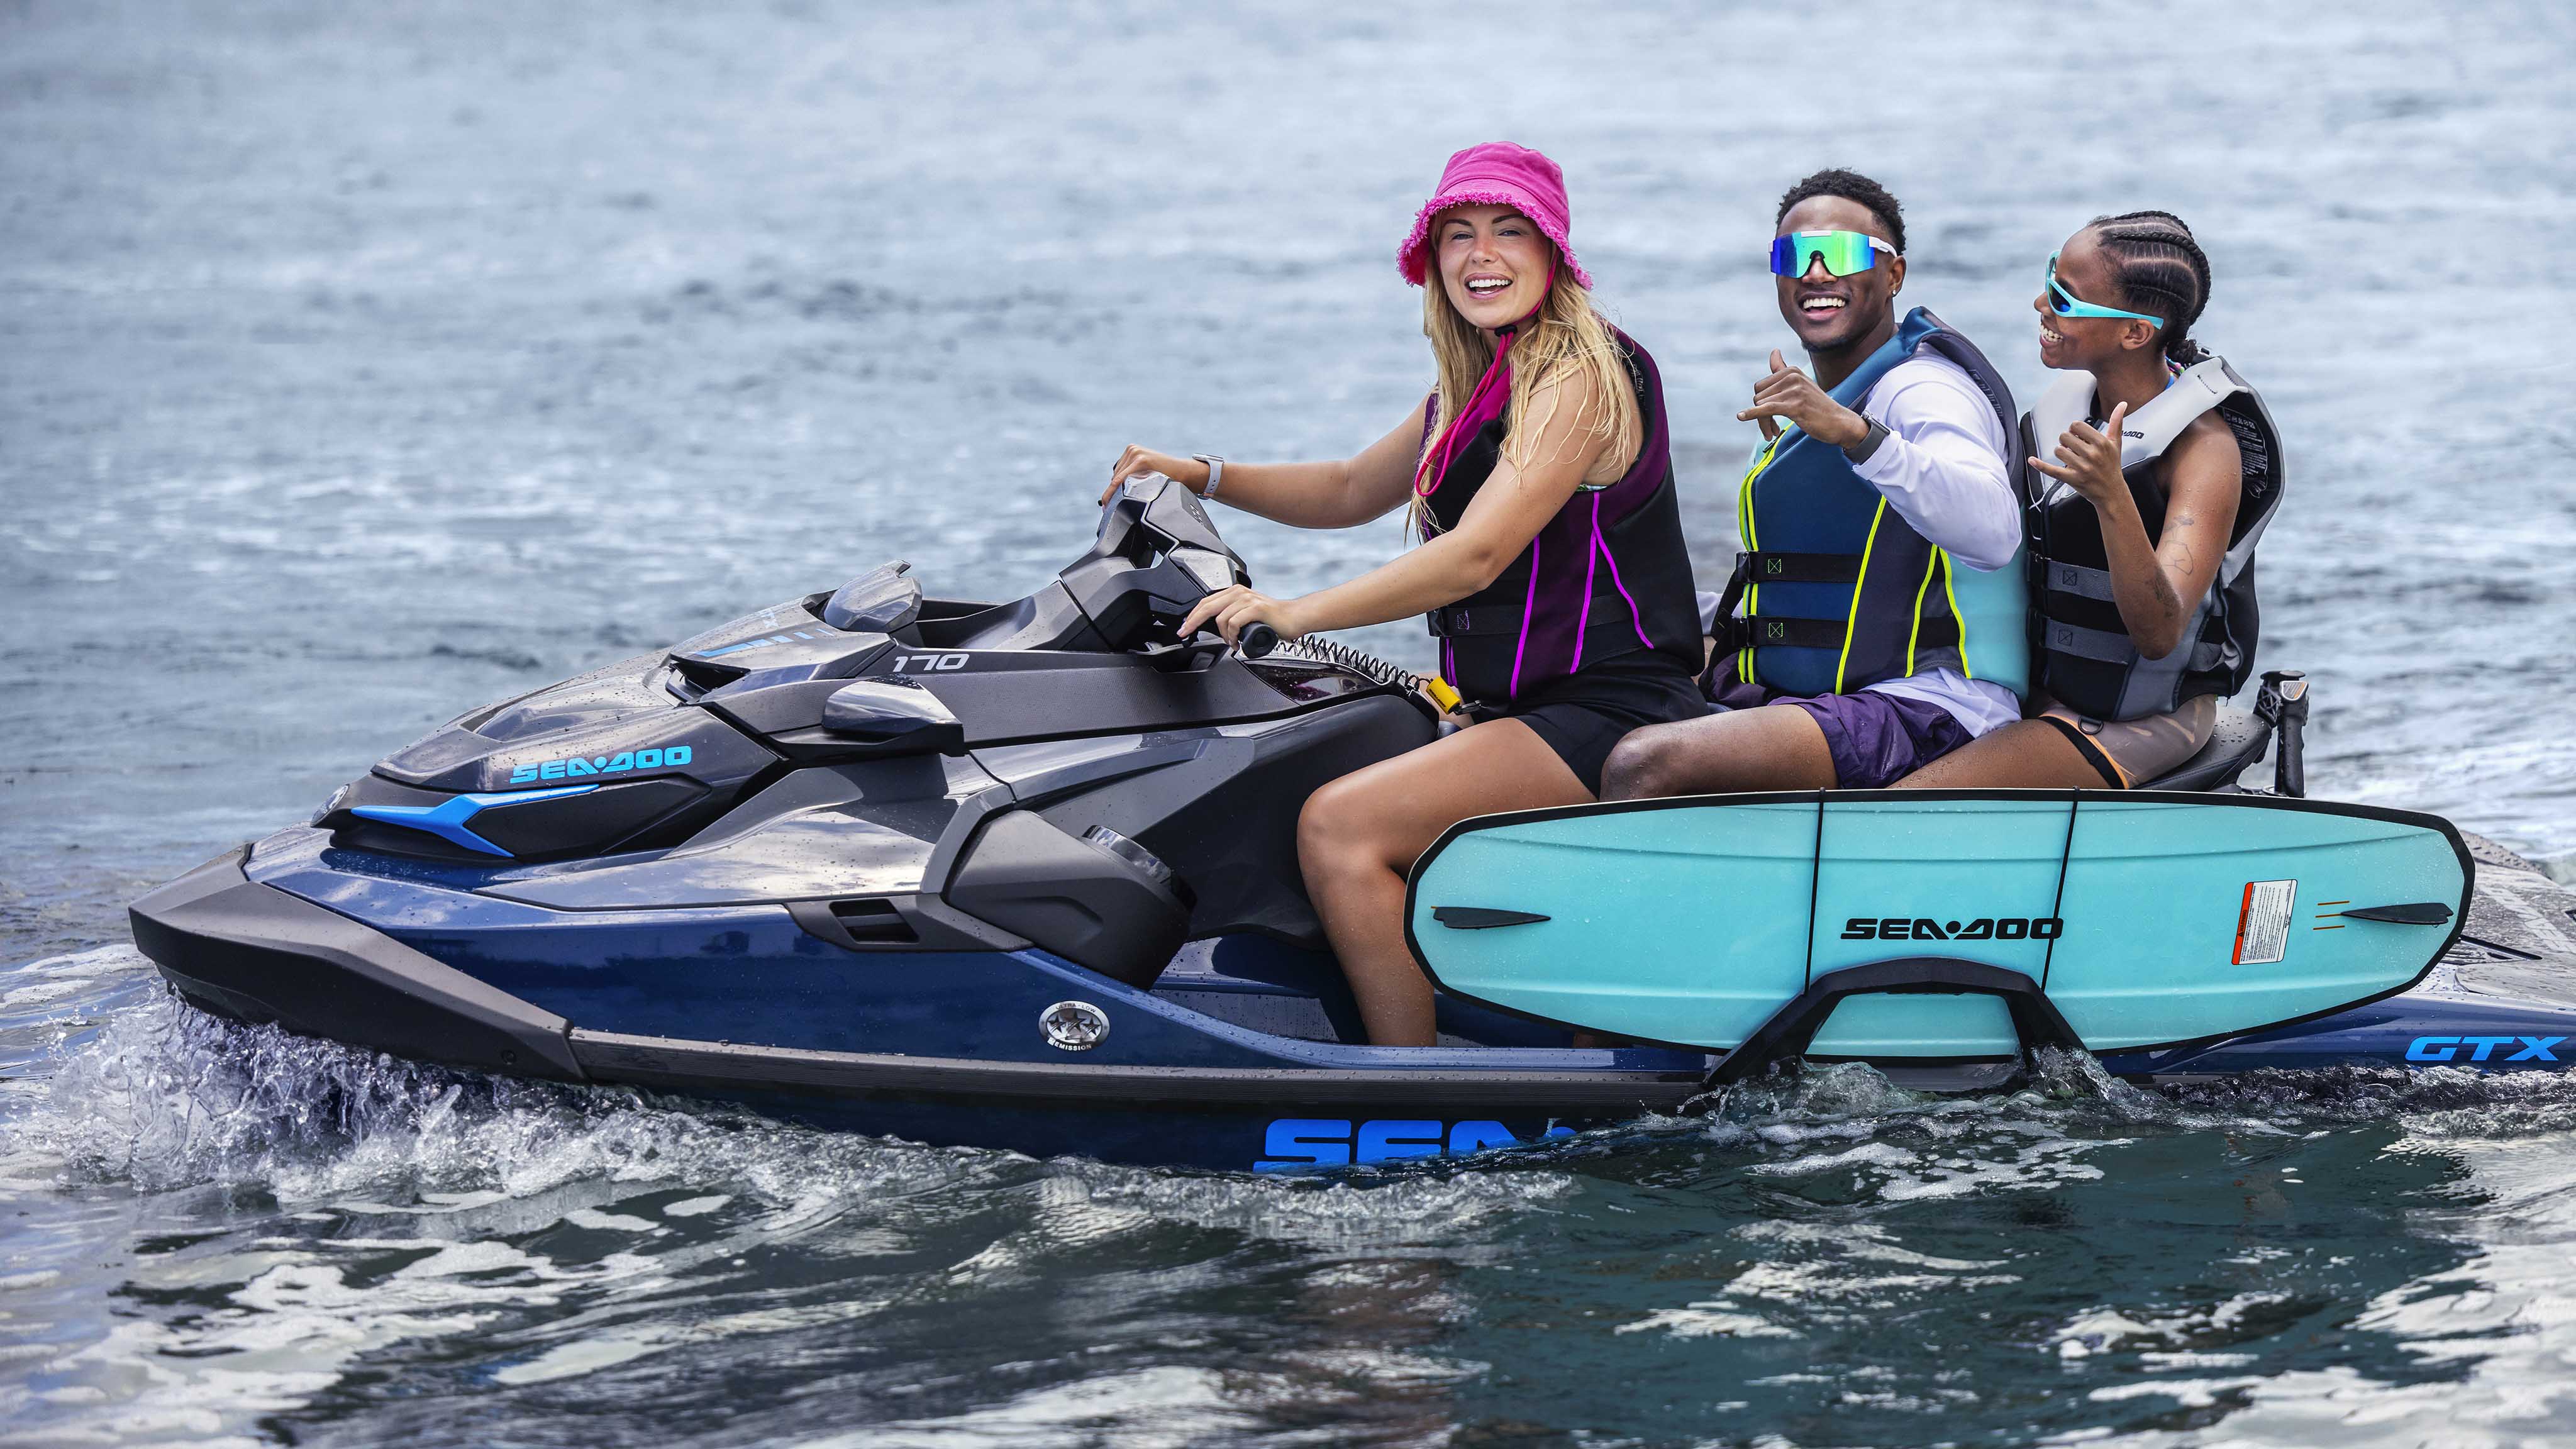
[(2146, 919)]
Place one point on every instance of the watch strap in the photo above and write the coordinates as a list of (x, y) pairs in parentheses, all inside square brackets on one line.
[(1868, 445)]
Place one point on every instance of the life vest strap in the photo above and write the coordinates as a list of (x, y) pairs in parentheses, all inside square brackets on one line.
[(2076, 579), (1782, 631), (1774, 631), (2109, 647), (1458, 621), (1768, 566)]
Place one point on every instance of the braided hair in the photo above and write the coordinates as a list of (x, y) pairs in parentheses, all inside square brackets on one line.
[(2161, 269)]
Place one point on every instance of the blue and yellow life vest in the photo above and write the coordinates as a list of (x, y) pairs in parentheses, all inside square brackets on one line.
[(1839, 591)]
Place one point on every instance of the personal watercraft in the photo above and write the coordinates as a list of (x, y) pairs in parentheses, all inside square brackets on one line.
[(1023, 875)]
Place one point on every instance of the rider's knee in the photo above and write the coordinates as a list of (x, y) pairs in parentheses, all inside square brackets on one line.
[(1330, 825), (1643, 766)]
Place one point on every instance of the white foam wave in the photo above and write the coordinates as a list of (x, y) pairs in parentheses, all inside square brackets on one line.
[(165, 1097), (1154, 1408)]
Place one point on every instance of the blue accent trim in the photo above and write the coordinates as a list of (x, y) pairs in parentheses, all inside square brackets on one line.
[(763, 642), (447, 818)]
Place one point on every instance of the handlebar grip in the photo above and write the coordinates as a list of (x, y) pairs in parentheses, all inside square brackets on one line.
[(1256, 640)]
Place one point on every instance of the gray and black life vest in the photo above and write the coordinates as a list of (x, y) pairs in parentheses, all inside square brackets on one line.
[(1838, 590), (2085, 657)]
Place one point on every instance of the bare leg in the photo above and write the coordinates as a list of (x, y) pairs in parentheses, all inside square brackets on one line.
[(2022, 755), (1359, 836), (1775, 747)]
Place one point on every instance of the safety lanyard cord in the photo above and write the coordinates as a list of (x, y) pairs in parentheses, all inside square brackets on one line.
[(1480, 406)]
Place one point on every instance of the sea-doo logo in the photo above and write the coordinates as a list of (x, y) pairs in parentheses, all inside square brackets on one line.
[(1924, 928), (1330, 1142), (2448, 1048), (623, 762)]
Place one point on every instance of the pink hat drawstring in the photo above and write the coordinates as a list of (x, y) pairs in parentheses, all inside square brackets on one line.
[(1485, 402)]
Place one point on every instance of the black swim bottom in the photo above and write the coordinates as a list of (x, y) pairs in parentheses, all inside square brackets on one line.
[(1584, 716)]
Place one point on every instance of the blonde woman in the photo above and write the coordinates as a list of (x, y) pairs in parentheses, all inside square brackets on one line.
[(1552, 565)]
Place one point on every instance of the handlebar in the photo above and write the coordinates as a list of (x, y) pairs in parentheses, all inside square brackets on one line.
[(1256, 640)]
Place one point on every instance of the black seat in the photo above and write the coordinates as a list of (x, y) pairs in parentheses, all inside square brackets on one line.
[(2238, 740)]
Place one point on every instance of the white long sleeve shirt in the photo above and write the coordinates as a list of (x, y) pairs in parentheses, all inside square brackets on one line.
[(1942, 469)]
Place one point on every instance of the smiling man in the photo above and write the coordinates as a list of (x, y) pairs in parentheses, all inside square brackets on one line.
[(1884, 610)]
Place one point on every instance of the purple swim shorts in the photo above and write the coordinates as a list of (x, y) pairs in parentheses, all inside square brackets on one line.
[(1877, 739)]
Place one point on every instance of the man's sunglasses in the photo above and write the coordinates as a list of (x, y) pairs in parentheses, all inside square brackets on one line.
[(1844, 252)]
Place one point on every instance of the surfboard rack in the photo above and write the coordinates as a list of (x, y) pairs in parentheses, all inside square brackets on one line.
[(1793, 1027)]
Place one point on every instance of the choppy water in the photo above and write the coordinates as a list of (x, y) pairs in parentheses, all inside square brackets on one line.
[(358, 367)]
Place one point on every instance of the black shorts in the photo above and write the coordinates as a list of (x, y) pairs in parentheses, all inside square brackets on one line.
[(1584, 715)]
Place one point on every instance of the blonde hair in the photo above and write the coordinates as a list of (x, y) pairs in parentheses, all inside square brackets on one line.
[(1567, 343)]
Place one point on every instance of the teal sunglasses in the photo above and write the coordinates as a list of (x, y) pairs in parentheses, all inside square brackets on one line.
[(2066, 304)]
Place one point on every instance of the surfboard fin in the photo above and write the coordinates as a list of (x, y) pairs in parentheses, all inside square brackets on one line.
[(1480, 918), (2416, 913)]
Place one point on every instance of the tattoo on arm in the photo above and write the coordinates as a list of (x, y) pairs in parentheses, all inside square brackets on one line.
[(2178, 561), (2183, 558)]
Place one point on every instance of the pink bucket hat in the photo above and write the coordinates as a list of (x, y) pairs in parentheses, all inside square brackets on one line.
[(1496, 173)]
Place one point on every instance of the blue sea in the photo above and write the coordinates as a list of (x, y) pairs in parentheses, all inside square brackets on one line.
[(361, 363)]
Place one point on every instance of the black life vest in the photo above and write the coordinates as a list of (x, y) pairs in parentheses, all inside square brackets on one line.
[(1608, 575), (2086, 660)]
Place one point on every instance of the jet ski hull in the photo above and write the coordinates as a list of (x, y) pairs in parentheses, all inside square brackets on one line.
[(946, 1047)]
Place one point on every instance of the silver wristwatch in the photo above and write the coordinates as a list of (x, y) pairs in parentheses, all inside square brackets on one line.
[(1216, 472)]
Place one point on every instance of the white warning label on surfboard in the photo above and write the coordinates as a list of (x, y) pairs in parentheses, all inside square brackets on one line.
[(2263, 921)]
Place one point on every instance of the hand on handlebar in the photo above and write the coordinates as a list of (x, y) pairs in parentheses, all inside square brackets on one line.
[(1190, 473), (1233, 609)]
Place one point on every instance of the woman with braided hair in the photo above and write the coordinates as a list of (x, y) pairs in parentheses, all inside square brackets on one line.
[(2161, 469)]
